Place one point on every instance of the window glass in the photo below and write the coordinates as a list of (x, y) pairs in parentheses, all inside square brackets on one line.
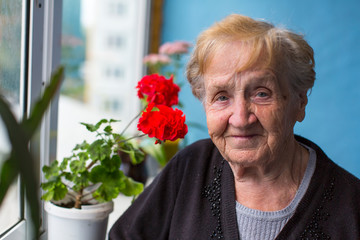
[(103, 43), (10, 62), (102, 49)]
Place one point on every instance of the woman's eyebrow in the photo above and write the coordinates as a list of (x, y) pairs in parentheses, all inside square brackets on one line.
[(222, 84), (266, 79), (219, 87)]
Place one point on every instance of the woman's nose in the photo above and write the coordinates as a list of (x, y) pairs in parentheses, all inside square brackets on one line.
[(242, 115)]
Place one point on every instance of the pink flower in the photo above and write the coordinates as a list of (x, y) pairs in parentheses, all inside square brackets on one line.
[(154, 58), (176, 47)]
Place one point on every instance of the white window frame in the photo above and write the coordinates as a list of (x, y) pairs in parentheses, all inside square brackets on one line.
[(40, 56)]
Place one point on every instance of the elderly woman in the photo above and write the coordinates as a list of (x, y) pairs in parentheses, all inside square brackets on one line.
[(254, 179)]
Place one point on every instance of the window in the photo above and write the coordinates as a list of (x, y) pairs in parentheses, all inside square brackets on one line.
[(27, 57), (103, 63), (114, 73), (117, 8), (10, 61), (116, 42), (30, 34)]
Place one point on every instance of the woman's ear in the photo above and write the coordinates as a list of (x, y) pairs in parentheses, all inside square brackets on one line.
[(303, 100)]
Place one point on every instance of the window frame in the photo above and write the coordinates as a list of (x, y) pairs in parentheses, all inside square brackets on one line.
[(40, 56)]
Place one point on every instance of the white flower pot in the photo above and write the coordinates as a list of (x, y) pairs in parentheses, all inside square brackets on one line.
[(88, 223)]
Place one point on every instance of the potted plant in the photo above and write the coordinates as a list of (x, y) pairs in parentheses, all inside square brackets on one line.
[(80, 188)]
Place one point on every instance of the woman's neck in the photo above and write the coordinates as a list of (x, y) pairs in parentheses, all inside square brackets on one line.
[(273, 186)]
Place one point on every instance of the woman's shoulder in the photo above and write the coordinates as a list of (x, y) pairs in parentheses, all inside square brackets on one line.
[(196, 157), (199, 151), (330, 175), (199, 146), (346, 179)]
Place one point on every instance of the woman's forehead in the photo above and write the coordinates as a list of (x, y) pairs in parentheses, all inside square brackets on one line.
[(251, 76), (227, 57), (237, 56)]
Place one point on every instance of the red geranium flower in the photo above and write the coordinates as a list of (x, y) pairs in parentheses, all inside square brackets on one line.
[(159, 90), (164, 124)]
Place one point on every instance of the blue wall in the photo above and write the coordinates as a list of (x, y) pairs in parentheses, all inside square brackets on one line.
[(331, 27)]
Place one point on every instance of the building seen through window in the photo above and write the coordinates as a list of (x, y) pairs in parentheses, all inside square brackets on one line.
[(102, 50)]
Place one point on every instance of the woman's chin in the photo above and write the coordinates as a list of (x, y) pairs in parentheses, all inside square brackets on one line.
[(243, 157)]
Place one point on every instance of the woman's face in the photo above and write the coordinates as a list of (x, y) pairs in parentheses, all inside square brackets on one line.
[(250, 114)]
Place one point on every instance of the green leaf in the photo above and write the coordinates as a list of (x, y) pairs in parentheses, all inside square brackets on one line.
[(98, 124), (64, 163), (95, 148), (108, 129), (81, 181), (102, 174), (60, 192), (139, 156), (9, 172), (48, 196), (135, 154), (112, 164), (96, 173), (82, 146), (83, 156), (132, 188), (98, 150), (112, 182), (156, 151), (92, 127), (105, 193), (52, 170), (69, 176), (46, 186), (77, 166), (117, 137), (56, 190), (114, 120)]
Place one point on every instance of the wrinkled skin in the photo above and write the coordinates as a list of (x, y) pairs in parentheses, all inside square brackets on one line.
[(251, 115)]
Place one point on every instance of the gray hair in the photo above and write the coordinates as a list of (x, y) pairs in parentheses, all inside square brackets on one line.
[(286, 53)]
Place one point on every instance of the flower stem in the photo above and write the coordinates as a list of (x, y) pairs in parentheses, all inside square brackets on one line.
[(91, 164), (138, 136), (132, 120)]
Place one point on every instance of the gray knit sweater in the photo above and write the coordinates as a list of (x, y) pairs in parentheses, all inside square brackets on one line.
[(255, 224)]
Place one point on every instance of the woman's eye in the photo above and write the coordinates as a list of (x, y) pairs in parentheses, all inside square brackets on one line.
[(222, 98), (262, 94)]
